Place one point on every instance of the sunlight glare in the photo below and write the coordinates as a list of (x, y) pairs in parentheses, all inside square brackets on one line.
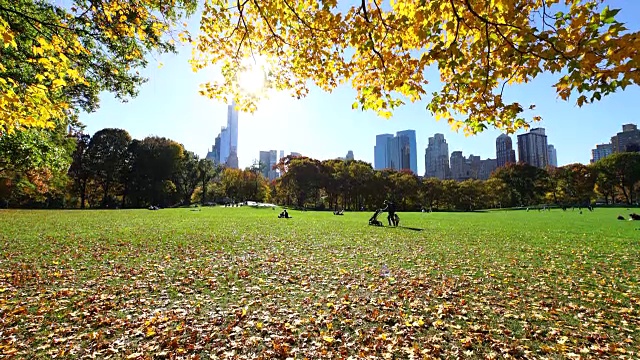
[(252, 78)]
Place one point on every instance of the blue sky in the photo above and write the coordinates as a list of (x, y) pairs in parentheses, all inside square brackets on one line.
[(323, 125)]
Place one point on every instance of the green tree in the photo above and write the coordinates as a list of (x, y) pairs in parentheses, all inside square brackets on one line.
[(206, 171), (79, 171), (451, 193), (186, 176), (30, 160), (623, 169), (303, 178), (153, 165), (107, 152)]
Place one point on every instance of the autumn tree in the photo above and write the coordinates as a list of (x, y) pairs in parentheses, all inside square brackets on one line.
[(497, 192), (332, 171), (303, 177), (384, 50), (55, 60), (527, 184), (431, 192), (578, 182)]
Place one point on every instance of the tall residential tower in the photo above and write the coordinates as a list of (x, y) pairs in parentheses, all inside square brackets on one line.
[(436, 158), (532, 148), (225, 149), (504, 151)]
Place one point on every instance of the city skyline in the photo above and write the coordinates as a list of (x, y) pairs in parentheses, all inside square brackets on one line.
[(437, 161)]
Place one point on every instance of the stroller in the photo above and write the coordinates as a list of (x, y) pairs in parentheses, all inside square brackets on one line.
[(374, 218)]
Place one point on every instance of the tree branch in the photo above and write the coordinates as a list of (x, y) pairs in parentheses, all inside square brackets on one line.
[(264, 17), (363, 6), (538, 37), (302, 20), (486, 79)]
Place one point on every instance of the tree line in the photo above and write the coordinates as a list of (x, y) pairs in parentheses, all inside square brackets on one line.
[(53, 169), (62, 169), (355, 185)]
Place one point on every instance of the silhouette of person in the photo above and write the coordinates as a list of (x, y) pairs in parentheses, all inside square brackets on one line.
[(390, 208)]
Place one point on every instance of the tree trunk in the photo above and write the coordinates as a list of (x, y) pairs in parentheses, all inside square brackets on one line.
[(83, 193), (124, 198), (626, 195), (105, 194)]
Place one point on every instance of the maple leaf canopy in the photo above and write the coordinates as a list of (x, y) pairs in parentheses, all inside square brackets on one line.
[(385, 50)]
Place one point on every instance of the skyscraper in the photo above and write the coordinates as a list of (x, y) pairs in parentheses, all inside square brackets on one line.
[(268, 160), (225, 147), (380, 151), (487, 167), (396, 152), (601, 151), (436, 158), (412, 163), (630, 136), (264, 160), (232, 125), (459, 169), (471, 168), (214, 154), (349, 155), (532, 148), (226, 143), (553, 155), (504, 151)]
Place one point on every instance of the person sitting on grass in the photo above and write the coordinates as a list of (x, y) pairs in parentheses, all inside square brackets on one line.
[(284, 215)]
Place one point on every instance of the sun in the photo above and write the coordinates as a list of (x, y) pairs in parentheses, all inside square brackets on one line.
[(252, 78)]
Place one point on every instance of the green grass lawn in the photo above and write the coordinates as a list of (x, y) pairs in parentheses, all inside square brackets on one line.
[(240, 283)]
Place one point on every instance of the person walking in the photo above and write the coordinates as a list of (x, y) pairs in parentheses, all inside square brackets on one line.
[(390, 208)]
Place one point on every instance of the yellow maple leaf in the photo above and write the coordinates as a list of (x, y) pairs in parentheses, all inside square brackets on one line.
[(59, 83)]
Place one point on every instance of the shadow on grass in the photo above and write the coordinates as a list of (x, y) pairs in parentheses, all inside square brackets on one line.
[(403, 227)]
